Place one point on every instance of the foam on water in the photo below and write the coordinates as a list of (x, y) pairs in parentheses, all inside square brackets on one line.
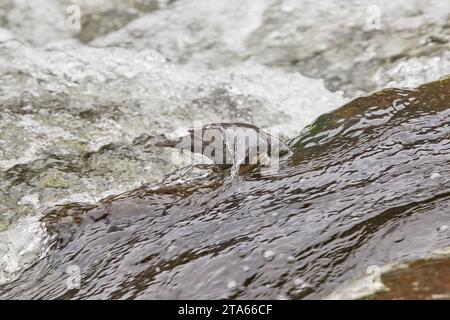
[(414, 71), (20, 246)]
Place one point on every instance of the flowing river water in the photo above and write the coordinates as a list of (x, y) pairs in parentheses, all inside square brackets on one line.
[(85, 194)]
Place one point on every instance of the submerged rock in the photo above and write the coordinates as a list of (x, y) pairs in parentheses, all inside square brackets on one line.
[(426, 278), (362, 118)]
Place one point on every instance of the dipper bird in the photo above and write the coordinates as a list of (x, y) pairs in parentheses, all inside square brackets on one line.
[(231, 144)]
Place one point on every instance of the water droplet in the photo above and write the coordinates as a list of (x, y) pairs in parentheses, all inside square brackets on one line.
[(442, 228), (246, 268), (302, 284), (242, 252), (269, 255), (171, 248), (290, 259), (435, 175), (232, 284)]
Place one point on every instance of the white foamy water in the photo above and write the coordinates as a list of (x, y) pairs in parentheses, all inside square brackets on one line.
[(20, 246)]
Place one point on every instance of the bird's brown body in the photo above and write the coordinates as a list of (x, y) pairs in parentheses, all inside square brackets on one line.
[(229, 144)]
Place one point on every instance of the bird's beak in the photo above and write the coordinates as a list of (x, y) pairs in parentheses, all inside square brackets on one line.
[(168, 143)]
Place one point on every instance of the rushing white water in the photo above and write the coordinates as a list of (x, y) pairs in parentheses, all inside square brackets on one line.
[(345, 43), (20, 246)]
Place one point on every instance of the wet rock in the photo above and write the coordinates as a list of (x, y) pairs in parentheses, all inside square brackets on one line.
[(387, 108), (352, 46), (423, 279), (426, 278)]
